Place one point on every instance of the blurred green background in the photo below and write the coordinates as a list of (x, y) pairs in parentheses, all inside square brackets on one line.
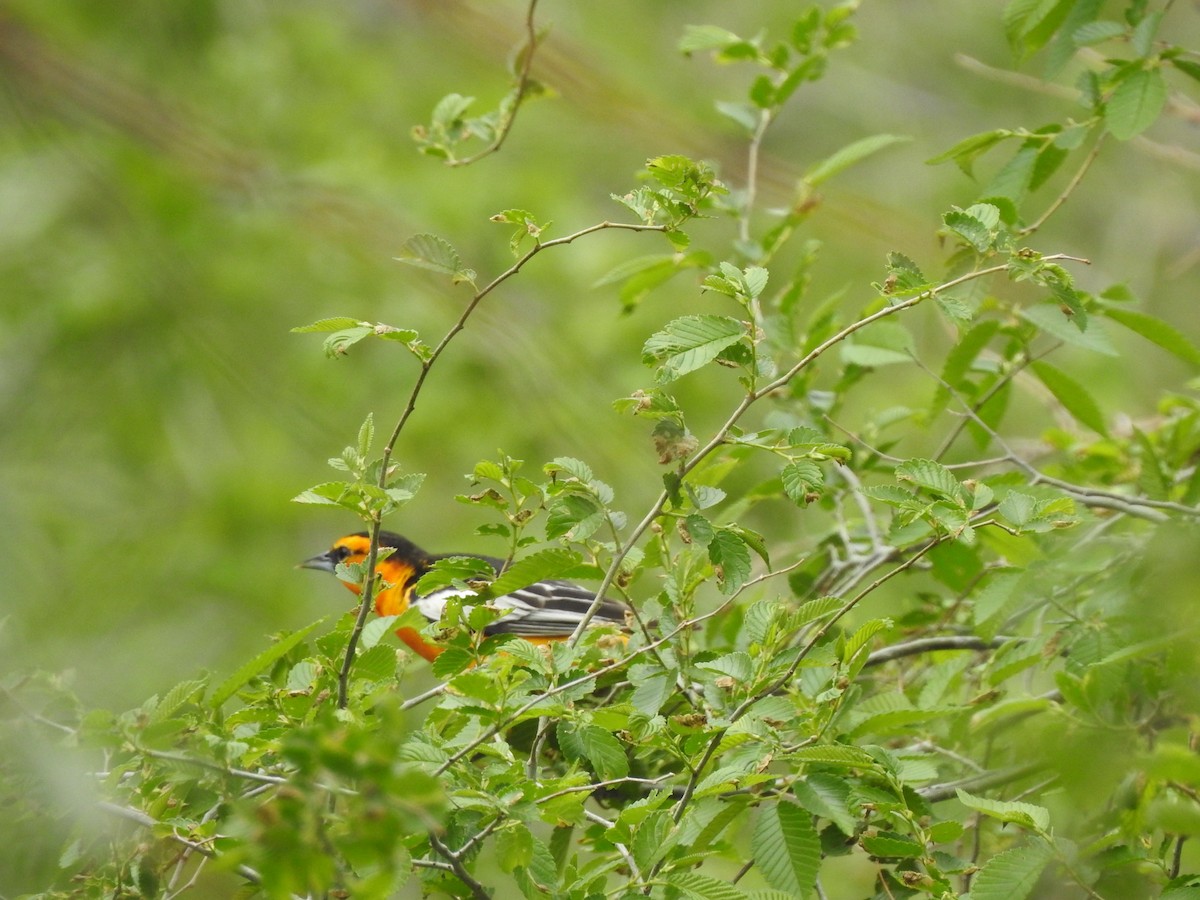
[(181, 183)]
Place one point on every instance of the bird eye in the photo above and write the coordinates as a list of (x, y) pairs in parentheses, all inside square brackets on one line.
[(339, 554)]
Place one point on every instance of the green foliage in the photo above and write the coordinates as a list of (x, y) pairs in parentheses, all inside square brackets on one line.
[(923, 642)]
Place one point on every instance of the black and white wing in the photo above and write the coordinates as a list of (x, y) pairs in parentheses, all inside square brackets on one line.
[(543, 609)]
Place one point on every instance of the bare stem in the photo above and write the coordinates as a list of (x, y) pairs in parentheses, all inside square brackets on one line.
[(518, 95)]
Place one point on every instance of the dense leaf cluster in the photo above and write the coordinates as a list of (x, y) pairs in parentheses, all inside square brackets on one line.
[(972, 673)]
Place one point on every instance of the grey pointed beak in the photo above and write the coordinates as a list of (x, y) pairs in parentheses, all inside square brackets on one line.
[(324, 562)]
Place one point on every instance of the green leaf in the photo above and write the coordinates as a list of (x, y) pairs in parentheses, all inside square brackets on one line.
[(862, 635), (833, 755), (340, 342), (243, 675), (802, 478), (451, 662), (960, 360), (514, 846), (707, 37), (575, 517), (1157, 332), (450, 109), (690, 342), (971, 229), (605, 753), (1050, 319), (428, 251), (736, 665), (335, 323), (704, 887), (177, 697), (1071, 394), (786, 848), (1135, 104), (728, 551), (850, 155), (1097, 32), (376, 664), (651, 690), (966, 151), (651, 838), (1027, 815), (1011, 875), (889, 844), (933, 477), (549, 563)]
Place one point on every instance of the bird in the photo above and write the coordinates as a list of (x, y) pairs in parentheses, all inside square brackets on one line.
[(541, 612)]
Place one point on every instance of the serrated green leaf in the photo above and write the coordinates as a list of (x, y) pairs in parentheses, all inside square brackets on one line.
[(1135, 104), (1071, 394), (690, 342), (812, 610), (544, 564), (850, 155), (802, 478), (176, 697), (728, 550), (245, 673), (862, 635), (736, 665), (786, 848), (428, 251), (969, 228), (376, 664), (1026, 815), (1158, 332), (450, 662), (651, 690), (605, 753), (334, 323), (933, 477), (833, 755), (574, 517), (893, 845), (1096, 32), (704, 887), (1012, 874), (894, 495)]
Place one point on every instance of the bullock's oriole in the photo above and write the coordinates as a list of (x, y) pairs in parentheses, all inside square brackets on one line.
[(540, 612)]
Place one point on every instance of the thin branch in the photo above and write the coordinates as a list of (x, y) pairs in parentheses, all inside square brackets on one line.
[(594, 786), (930, 644), (129, 814), (936, 793), (261, 777), (435, 691), (478, 891), (1141, 507), (621, 848), (1068, 190), (518, 94), (765, 117)]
